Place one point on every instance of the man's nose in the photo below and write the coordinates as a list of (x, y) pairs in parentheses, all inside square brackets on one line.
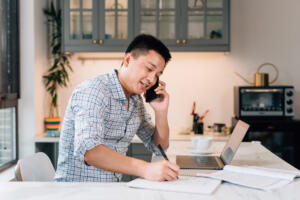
[(152, 78)]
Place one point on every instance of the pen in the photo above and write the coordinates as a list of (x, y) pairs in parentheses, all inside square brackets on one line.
[(163, 154)]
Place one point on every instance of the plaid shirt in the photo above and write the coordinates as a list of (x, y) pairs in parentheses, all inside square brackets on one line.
[(95, 115)]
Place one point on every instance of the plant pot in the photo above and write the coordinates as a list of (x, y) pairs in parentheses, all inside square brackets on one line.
[(52, 125)]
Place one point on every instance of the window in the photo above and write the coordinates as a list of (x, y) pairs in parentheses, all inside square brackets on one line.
[(9, 81)]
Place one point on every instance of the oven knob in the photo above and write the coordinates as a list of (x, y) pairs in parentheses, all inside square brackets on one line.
[(289, 93), (289, 102), (289, 110)]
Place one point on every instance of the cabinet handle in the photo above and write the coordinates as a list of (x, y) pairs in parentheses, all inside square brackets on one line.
[(94, 41), (177, 41), (100, 41), (183, 41)]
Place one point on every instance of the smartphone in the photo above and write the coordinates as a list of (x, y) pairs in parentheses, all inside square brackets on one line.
[(150, 93)]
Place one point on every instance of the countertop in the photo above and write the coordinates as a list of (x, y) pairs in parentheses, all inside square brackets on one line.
[(174, 136), (248, 154)]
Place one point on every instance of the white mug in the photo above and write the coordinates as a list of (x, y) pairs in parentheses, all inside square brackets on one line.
[(201, 142)]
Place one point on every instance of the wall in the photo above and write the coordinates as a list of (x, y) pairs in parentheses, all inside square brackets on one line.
[(261, 31), (33, 59)]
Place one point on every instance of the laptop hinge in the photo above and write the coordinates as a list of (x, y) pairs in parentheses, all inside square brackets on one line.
[(220, 162)]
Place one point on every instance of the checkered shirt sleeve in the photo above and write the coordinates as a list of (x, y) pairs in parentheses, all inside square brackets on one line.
[(89, 113)]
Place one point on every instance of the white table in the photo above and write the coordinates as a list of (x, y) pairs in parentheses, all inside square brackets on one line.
[(248, 153)]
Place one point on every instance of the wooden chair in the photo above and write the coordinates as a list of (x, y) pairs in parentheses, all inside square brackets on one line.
[(35, 168)]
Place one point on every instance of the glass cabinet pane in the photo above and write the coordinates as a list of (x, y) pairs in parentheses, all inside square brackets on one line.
[(214, 3), (122, 4), (110, 4), (74, 4), (7, 135), (195, 24), (214, 24), (148, 22), (167, 25), (158, 19), (196, 3), (87, 25), (75, 25), (122, 25), (116, 19), (148, 4), (81, 19), (166, 4), (109, 25), (87, 4)]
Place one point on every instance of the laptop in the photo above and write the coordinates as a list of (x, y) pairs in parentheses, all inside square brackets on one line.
[(216, 162)]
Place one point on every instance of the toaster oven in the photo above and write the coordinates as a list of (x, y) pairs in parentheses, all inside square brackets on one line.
[(271, 101)]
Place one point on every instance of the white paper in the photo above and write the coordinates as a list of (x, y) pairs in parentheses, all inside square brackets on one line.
[(254, 177), (187, 184), (295, 173), (249, 180), (268, 172)]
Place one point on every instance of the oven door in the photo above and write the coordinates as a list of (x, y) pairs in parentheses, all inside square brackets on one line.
[(261, 102)]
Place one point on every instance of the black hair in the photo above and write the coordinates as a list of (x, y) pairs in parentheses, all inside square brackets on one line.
[(143, 43)]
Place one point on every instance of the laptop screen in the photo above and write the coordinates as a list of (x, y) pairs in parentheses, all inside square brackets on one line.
[(234, 142)]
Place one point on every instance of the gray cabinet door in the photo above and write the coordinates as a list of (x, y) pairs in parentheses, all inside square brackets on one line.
[(205, 25), (115, 22), (80, 28), (185, 25), (97, 25), (158, 18)]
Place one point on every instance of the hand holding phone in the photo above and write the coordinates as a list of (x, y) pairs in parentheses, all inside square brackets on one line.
[(151, 94)]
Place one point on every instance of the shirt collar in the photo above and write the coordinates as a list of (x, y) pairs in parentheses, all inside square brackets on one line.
[(117, 90)]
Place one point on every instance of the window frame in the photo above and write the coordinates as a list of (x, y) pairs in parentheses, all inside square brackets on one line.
[(10, 67)]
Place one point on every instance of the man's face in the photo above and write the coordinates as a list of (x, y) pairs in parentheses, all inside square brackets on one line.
[(143, 71)]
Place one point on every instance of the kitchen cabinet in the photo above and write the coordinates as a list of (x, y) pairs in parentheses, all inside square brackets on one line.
[(97, 25), (48, 145), (110, 25), (185, 25)]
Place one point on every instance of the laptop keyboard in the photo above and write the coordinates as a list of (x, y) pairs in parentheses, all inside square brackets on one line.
[(205, 159), (197, 162)]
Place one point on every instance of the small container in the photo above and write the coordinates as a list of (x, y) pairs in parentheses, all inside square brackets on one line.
[(198, 128), (219, 127)]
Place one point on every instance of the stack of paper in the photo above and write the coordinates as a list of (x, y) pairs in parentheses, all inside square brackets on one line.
[(254, 177), (186, 184)]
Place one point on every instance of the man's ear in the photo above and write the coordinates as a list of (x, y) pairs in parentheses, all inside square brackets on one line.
[(127, 58)]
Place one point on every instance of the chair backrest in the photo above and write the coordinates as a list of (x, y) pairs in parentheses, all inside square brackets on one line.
[(35, 168)]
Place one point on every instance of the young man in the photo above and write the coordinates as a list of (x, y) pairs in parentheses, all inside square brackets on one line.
[(105, 112)]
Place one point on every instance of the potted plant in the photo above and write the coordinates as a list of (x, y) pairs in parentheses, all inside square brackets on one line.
[(57, 76)]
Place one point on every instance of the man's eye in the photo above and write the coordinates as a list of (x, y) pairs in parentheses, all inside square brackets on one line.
[(149, 69)]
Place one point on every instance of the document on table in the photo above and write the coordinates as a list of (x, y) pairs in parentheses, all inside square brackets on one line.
[(187, 184), (254, 177)]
